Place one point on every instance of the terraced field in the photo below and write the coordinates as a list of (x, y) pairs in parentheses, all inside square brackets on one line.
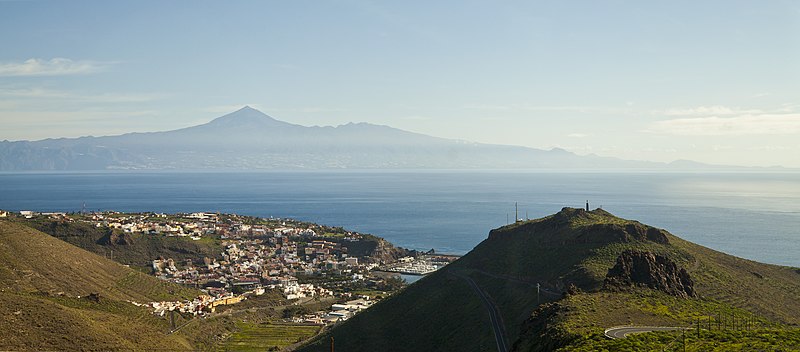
[(266, 337)]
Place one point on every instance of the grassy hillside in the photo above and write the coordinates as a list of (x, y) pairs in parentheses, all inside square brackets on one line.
[(578, 247), (577, 322), (43, 287), (433, 314), (572, 251), (35, 262), (34, 322)]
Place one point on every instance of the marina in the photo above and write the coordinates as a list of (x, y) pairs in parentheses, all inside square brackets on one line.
[(421, 265)]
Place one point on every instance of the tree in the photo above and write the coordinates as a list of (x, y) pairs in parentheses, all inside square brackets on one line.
[(293, 311)]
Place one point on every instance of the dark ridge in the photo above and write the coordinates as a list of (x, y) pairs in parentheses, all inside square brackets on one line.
[(578, 226)]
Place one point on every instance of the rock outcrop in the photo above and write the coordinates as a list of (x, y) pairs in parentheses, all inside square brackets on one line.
[(115, 238), (636, 268), (541, 331), (375, 250)]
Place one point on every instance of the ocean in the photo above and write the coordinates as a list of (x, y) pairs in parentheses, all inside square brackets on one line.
[(751, 215)]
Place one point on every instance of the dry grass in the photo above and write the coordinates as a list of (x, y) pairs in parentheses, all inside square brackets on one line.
[(41, 280), (35, 262)]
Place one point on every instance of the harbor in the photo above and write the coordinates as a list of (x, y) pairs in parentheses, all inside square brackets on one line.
[(420, 265)]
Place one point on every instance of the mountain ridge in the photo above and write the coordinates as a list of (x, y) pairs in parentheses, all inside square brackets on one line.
[(249, 139)]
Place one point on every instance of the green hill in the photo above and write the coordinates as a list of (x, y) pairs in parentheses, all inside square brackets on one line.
[(137, 250), (45, 288), (596, 271)]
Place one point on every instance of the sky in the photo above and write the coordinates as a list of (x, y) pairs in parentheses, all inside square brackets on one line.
[(710, 81)]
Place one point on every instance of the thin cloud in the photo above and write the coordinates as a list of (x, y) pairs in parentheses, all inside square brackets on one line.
[(53, 67), (577, 135), (773, 148), (32, 93), (416, 118), (714, 110), (49, 94), (548, 108), (765, 124), (35, 125)]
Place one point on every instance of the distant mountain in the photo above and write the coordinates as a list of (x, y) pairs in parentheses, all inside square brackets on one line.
[(249, 139), (595, 271)]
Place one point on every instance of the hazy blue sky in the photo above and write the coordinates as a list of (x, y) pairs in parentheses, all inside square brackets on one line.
[(713, 81)]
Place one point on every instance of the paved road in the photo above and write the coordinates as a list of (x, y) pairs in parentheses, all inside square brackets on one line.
[(621, 332), (494, 314)]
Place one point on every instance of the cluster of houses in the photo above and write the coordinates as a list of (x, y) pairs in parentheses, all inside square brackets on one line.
[(269, 260), (29, 214), (201, 305), (255, 257), (272, 262), (193, 225), (337, 313)]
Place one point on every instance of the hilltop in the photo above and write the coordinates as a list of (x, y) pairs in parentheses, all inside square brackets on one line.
[(55, 296), (250, 139), (595, 271)]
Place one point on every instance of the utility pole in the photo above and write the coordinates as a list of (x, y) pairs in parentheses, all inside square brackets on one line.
[(537, 293), (684, 340), (331, 343), (516, 212)]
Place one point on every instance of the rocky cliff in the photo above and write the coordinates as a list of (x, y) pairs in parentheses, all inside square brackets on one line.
[(376, 250), (636, 268)]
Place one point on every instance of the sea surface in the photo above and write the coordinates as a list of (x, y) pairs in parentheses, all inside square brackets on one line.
[(751, 215)]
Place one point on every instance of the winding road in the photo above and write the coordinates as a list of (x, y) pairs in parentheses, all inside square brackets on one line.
[(621, 332), (498, 327)]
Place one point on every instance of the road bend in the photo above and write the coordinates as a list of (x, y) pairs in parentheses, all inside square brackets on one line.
[(620, 332), (494, 314)]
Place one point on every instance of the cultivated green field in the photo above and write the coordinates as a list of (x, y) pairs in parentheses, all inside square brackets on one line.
[(267, 336)]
